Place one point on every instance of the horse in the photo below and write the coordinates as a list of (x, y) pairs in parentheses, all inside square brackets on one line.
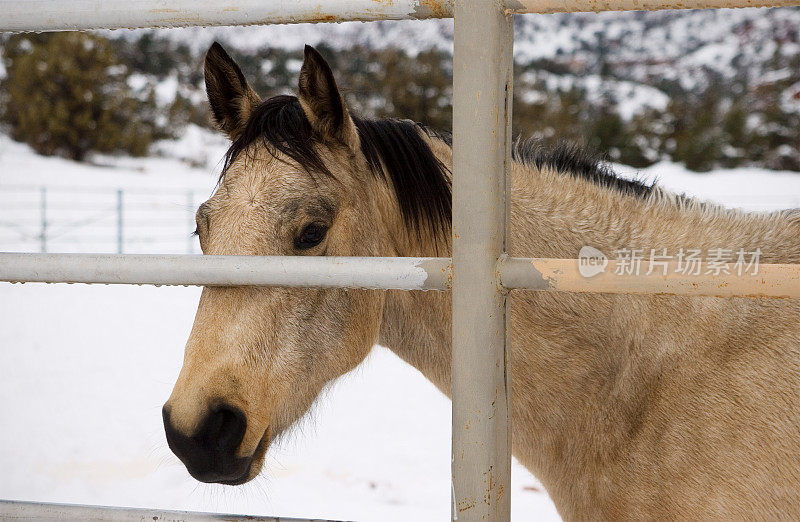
[(624, 406)]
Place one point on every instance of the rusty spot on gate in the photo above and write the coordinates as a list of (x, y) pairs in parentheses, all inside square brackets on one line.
[(435, 8), (319, 16), (465, 504)]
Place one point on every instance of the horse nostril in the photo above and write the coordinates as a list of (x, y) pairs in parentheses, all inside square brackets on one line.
[(223, 429), (210, 453)]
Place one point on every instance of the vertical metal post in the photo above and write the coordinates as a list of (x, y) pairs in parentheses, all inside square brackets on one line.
[(120, 223), (482, 83), (43, 213), (190, 208)]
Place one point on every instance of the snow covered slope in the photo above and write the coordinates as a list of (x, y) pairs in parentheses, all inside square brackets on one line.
[(668, 44), (730, 76)]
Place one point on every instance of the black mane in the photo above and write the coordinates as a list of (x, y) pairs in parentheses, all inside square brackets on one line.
[(398, 154), (395, 151), (567, 158)]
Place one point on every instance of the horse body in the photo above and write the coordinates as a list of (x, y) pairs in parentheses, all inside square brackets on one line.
[(629, 406), (623, 406)]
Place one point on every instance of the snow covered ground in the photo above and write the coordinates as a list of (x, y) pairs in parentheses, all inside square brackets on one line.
[(159, 196), (85, 369)]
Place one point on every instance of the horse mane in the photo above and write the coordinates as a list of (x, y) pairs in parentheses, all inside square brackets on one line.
[(568, 158), (395, 150), (398, 154)]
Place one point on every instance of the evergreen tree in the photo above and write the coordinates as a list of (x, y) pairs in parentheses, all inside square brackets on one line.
[(66, 94)]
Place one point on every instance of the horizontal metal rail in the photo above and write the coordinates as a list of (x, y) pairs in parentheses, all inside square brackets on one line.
[(394, 273), (564, 275), (576, 6), (58, 15), (14, 510)]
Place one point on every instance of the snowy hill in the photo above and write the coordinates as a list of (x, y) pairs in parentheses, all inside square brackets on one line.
[(642, 46), (658, 71)]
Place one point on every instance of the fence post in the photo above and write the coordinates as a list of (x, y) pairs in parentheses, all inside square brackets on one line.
[(190, 207), (482, 86), (43, 212), (120, 223)]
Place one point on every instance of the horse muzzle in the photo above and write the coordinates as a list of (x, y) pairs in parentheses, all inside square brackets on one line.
[(209, 454)]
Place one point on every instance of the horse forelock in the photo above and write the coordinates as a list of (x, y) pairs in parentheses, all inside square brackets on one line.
[(281, 126)]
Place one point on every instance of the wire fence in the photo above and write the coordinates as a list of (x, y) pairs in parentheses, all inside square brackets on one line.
[(101, 220)]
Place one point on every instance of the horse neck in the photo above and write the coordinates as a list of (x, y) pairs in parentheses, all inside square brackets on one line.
[(555, 215), (416, 325)]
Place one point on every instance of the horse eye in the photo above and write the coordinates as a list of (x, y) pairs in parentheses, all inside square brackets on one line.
[(311, 236)]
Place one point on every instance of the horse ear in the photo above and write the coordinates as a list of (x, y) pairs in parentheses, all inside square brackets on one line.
[(322, 102), (230, 96)]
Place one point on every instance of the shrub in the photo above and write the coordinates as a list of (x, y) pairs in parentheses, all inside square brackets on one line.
[(66, 94)]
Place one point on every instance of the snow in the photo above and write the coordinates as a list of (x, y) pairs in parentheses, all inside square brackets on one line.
[(631, 98), (416, 35), (751, 189), (196, 147), (665, 43), (167, 90), (87, 426), (634, 98), (84, 370), (790, 101), (159, 197), (20, 166), (138, 81)]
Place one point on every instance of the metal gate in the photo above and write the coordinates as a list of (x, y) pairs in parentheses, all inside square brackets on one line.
[(479, 275)]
